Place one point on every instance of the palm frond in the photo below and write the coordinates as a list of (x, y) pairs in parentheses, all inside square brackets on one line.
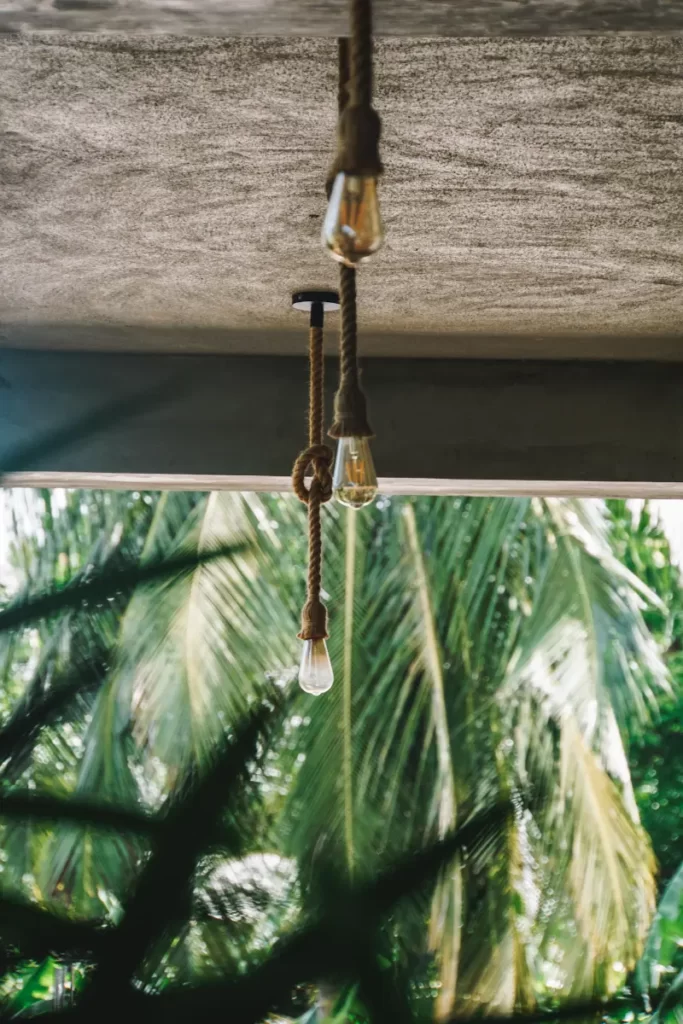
[(446, 914), (583, 666), (350, 584), (612, 867), (670, 1010), (664, 939), (194, 653), (484, 650), (587, 611)]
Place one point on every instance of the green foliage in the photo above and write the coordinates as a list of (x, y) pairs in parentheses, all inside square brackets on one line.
[(497, 648), (33, 983), (663, 953), (655, 756), (487, 653), (670, 1010)]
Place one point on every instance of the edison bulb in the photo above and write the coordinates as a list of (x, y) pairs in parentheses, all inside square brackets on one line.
[(353, 229), (354, 480), (315, 672)]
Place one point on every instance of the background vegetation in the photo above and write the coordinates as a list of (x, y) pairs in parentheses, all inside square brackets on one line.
[(507, 667)]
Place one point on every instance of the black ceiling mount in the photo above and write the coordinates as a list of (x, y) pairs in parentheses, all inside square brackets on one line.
[(305, 300), (317, 303)]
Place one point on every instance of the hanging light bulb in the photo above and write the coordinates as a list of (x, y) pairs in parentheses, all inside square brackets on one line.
[(315, 672), (353, 229), (354, 480)]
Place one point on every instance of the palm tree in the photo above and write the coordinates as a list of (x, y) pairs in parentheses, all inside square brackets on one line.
[(483, 649)]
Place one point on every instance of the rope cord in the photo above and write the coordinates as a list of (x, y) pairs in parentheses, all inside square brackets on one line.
[(358, 153), (319, 457), (315, 386), (359, 125), (361, 53), (343, 85), (350, 411), (348, 338)]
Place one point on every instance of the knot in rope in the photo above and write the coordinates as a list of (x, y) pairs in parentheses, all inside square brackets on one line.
[(320, 457)]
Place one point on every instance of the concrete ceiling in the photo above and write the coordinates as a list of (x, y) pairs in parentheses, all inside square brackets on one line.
[(329, 17), (533, 195)]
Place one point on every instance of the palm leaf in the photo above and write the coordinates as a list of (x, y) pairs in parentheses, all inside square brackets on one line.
[(195, 653), (446, 913), (584, 664), (350, 566), (670, 1010), (162, 895), (612, 867), (483, 649), (664, 938)]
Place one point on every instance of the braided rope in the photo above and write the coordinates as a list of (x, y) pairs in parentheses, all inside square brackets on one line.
[(348, 338), (359, 127), (319, 457), (316, 383), (343, 81), (361, 53), (350, 407)]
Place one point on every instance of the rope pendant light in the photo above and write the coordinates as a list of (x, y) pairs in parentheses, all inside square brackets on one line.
[(354, 477), (352, 229), (315, 671), (354, 480)]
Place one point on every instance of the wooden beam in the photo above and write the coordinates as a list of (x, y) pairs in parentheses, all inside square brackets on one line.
[(497, 422), (387, 485)]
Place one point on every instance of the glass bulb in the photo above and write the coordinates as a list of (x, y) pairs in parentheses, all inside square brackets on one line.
[(315, 672), (353, 229), (354, 480)]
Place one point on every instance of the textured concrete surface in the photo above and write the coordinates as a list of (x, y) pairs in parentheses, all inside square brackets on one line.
[(329, 17), (533, 187)]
